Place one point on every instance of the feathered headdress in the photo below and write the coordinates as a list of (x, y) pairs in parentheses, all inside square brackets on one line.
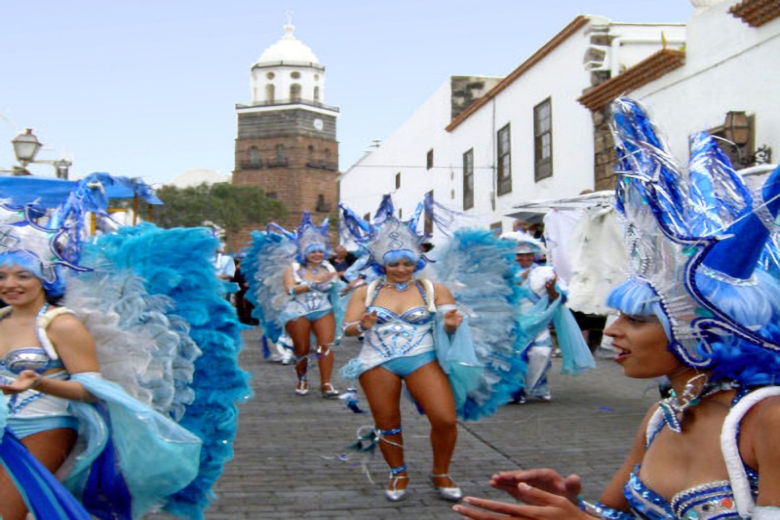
[(696, 241), (44, 241), (385, 236), (525, 242), (308, 237)]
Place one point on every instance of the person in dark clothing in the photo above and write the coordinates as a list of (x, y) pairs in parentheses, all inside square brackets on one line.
[(341, 260), (243, 306)]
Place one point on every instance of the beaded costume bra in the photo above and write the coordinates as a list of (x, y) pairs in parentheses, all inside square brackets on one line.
[(708, 501), (396, 334)]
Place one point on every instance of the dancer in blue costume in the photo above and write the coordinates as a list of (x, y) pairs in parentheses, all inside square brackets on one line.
[(134, 454), (702, 309), (301, 298), (542, 303), (414, 333)]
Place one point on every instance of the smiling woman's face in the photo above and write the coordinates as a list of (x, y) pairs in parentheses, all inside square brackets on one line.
[(642, 346), (400, 271), (19, 286), (315, 257)]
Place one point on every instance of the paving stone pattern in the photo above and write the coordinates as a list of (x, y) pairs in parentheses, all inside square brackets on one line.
[(286, 462)]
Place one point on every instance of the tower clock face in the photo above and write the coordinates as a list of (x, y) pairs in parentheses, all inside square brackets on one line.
[(318, 124)]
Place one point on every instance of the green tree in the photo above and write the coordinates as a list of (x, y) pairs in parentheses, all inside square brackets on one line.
[(230, 206)]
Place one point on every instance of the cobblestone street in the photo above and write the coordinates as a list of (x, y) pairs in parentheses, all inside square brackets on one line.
[(285, 463)]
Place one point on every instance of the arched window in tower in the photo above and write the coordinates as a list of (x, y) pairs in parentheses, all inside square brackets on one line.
[(269, 93), (310, 153), (281, 158), (254, 156), (295, 92), (316, 93)]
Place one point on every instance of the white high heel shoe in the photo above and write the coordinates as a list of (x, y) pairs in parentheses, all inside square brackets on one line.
[(453, 494), (393, 494)]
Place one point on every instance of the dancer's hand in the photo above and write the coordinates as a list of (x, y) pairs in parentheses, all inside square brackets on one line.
[(452, 319), (541, 478), (552, 292), (368, 320), (539, 505), (27, 379)]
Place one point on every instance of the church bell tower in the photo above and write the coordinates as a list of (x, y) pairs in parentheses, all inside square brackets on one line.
[(286, 141)]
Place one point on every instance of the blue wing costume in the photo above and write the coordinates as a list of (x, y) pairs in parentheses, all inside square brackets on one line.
[(167, 344)]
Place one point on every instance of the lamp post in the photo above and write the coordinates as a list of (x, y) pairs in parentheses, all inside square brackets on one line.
[(26, 147)]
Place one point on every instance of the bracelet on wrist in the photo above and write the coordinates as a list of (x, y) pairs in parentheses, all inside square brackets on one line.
[(360, 328), (599, 510)]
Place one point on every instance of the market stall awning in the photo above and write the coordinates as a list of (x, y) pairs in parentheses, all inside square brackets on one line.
[(50, 192)]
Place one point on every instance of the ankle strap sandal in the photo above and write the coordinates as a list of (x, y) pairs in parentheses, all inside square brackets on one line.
[(452, 493), (392, 493)]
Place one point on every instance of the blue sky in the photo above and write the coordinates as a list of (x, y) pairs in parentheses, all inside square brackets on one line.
[(147, 88)]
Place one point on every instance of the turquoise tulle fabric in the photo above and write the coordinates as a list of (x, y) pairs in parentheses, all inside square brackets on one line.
[(175, 266), (536, 319), (157, 456), (456, 356), (575, 352)]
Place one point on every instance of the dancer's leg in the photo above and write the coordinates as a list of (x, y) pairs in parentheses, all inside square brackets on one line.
[(431, 389), (325, 332), (51, 448), (383, 392), (299, 331)]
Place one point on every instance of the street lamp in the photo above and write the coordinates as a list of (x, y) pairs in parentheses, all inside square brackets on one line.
[(26, 147), (738, 129), (61, 168)]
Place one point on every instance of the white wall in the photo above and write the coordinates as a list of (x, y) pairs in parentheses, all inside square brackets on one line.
[(728, 66), (559, 75), (364, 184)]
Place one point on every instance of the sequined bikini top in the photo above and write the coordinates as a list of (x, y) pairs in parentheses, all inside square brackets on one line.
[(415, 315), (712, 500), (29, 358)]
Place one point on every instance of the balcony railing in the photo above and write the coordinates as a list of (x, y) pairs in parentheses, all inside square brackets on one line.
[(322, 165), (268, 163)]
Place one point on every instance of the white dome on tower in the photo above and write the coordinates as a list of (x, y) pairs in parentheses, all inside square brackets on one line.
[(288, 72), (288, 49)]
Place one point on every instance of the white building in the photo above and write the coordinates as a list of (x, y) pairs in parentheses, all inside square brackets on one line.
[(483, 145), (730, 66)]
